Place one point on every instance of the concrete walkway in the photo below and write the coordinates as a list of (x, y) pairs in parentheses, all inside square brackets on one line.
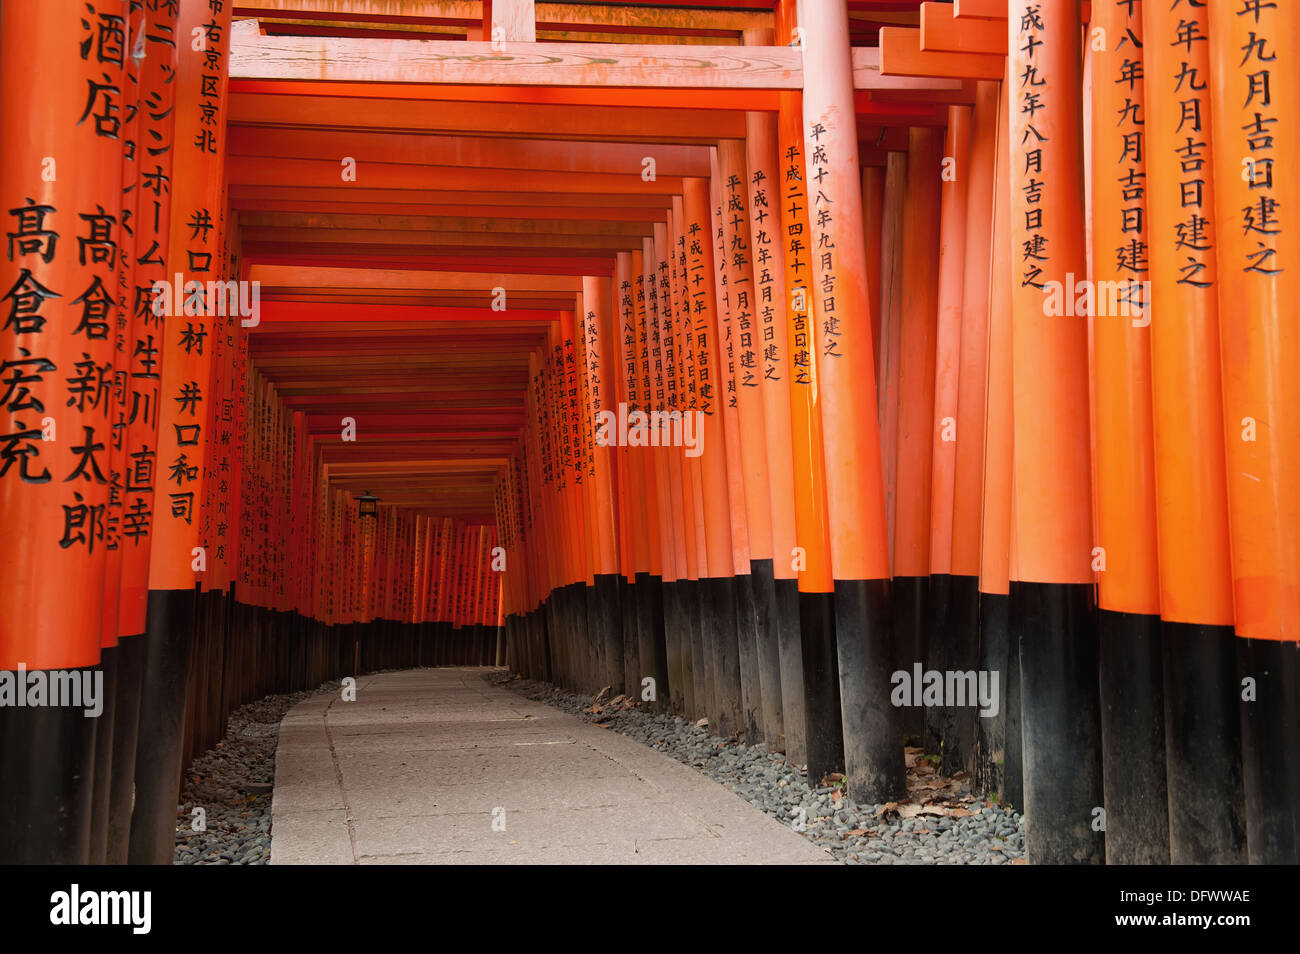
[(428, 765)]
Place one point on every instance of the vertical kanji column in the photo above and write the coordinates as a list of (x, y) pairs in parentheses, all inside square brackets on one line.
[(1202, 718), (195, 258), (1255, 68), (61, 106), (873, 748)]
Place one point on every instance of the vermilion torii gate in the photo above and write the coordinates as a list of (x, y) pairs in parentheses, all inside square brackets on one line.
[(776, 363)]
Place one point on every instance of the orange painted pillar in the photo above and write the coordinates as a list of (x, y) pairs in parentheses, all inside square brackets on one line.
[(679, 355), (777, 598), (649, 601), (1128, 587), (914, 437), (947, 622), (1052, 602), (1001, 771), (195, 254), (1202, 721), (599, 356), (756, 641), (1254, 58), (823, 734), (61, 179), (873, 749), (717, 577)]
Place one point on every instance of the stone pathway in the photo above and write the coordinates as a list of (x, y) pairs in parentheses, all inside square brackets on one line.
[(436, 766)]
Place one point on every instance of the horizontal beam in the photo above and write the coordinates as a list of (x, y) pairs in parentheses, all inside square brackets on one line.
[(274, 312), (941, 32), (478, 151), (901, 54), (325, 108), (461, 13), (595, 65), (350, 59), (272, 275)]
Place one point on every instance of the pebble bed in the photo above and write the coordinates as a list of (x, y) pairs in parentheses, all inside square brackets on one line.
[(941, 821), (232, 782)]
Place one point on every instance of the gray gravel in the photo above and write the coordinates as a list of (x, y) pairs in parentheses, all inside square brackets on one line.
[(948, 824), (231, 783)]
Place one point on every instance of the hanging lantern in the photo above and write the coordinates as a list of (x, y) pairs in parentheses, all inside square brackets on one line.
[(366, 505)]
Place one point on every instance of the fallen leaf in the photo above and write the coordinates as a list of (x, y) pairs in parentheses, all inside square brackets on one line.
[(887, 807), (702, 724), (857, 832), (1019, 861), (835, 795), (959, 813)]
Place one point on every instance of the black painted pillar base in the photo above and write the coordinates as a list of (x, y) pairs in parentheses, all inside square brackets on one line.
[(47, 781), (824, 732), (1207, 823), (751, 690), (1133, 738), (719, 602), (873, 734), (908, 596), (674, 632), (659, 634), (699, 663), (630, 636), (958, 724), (994, 657), (126, 727), (1270, 745), (649, 618), (606, 622), (937, 652), (99, 821), (794, 714), (162, 725), (1061, 722), (1013, 771), (769, 654)]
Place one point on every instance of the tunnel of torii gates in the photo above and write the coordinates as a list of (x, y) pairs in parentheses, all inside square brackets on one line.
[(754, 358)]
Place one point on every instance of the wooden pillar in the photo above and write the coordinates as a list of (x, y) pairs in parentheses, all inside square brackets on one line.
[(61, 93), (717, 582), (1128, 590), (195, 255), (854, 490), (919, 270), (1052, 600), (946, 622), (778, 600), (1254, 58), (1202, 721)]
